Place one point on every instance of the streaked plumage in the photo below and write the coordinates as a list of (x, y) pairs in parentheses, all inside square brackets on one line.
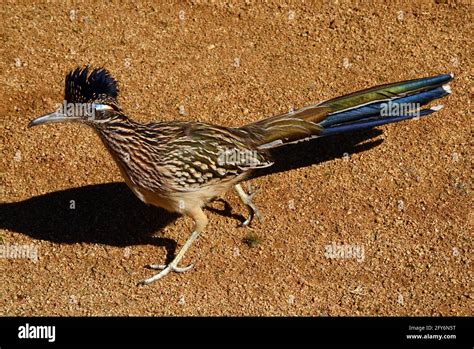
[(181, 166)]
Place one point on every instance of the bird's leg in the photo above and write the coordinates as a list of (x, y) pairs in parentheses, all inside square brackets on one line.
[(247, 201), (200, 222)]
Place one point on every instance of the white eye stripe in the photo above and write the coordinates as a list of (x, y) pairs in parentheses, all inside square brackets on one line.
[(102, 107)]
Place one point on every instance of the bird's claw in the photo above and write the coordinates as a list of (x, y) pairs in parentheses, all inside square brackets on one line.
[(174, 268), (246, 223), (165, 269), (251, 193)]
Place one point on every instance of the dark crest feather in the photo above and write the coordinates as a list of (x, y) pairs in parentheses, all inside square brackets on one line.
[(86, 85)]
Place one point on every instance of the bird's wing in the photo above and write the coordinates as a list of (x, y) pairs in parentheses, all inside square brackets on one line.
[(204, 154)]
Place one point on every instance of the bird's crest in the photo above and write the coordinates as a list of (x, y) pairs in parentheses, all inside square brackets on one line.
[(87, 85)]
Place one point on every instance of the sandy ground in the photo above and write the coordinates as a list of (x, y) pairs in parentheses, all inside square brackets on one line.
[(401, 194)]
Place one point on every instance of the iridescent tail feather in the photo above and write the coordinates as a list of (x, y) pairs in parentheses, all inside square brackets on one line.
[(364, 109)]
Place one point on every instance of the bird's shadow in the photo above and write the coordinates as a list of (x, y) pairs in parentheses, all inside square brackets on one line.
[(319, 150), (102, 213), (110, 213)]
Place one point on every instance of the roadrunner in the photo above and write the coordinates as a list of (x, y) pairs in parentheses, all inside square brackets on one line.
[(183, 165)]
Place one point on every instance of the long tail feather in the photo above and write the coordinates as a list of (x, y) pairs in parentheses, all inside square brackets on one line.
[(357, 111), (367, 123), (370, 102)]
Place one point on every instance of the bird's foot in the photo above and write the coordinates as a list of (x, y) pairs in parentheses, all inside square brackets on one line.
[(247, 200), (200, 221), (165, 269)]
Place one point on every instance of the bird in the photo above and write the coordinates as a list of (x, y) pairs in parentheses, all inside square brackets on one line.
[(181, 166)]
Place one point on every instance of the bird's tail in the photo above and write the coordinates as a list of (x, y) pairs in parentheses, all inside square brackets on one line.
[(357, 111)]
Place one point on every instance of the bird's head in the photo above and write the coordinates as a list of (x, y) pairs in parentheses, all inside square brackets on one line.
[(90, 97)]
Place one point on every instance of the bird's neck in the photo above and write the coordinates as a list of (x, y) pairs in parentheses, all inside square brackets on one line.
[(116, 134)]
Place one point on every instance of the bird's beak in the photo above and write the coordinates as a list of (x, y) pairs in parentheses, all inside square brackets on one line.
[(51, 118)]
